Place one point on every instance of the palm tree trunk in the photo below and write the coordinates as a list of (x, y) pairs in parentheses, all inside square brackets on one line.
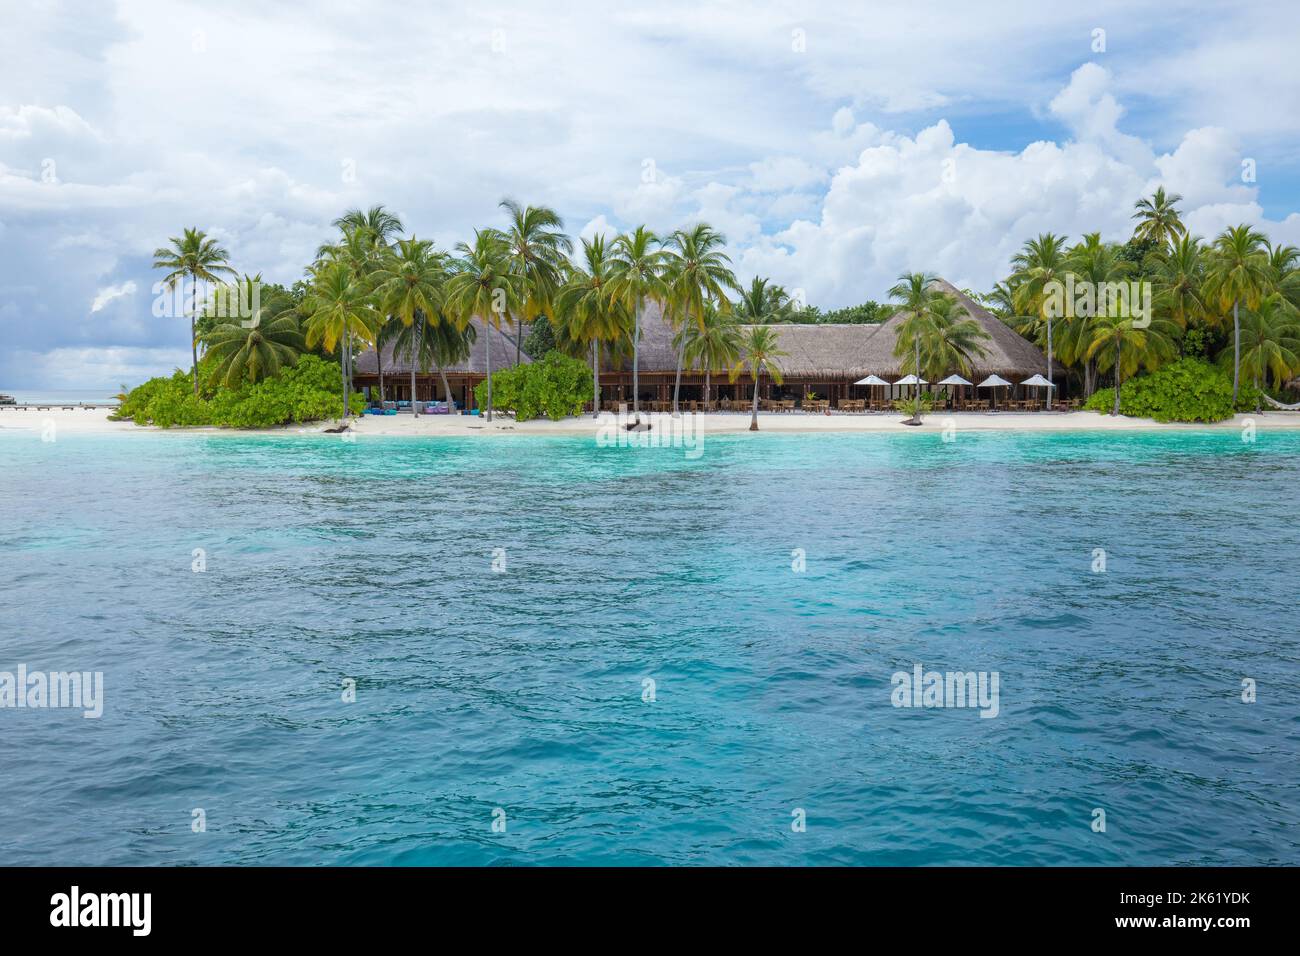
[(595, 378), (519, 337), (194, 342), (1119, 345), (636, 359), (916, 389), (753, 413), (1049, 353), (707, 385), (379, 361), (488, 329), (446, 386), (1236, 353), (677, 385), (415, 358), (343, 376)]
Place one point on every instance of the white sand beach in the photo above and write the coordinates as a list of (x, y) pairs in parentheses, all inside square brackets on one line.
[(96, 421)]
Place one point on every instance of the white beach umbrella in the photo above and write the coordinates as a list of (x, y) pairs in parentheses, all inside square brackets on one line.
[(911, 380), (953, 380), (872, 380), (1037, 381), (993, 381)]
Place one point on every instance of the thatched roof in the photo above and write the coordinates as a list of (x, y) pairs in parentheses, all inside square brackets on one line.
[(1007, 353), (503, 355), (837, 351)]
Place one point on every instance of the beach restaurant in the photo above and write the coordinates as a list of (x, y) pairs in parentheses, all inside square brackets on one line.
[(820, 371)]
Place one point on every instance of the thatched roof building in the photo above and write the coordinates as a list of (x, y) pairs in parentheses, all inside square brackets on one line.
[(821, 358), (834, 352)]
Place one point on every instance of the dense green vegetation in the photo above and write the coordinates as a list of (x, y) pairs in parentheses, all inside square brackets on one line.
[(1235, 300), (1189, 390), (307, 391), (557, 386)]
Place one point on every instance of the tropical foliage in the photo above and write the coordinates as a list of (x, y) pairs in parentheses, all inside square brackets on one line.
[(1188, 390), (307, 391), (557, 387)]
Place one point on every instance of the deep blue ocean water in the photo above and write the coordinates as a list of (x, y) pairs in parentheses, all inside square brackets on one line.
[(523, 689)]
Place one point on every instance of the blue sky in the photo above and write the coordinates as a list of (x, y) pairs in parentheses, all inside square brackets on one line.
[(835, 145)]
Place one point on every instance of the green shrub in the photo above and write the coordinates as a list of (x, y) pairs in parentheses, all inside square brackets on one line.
[(305, 392), (915, 405), (557, 387), (1189, 390)]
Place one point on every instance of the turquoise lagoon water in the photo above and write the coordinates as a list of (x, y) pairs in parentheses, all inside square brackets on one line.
[(523, 690)]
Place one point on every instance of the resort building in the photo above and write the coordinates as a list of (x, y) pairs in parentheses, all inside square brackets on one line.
[(823, 361)]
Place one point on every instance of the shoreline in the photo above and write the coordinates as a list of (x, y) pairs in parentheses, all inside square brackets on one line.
[(95, 421)]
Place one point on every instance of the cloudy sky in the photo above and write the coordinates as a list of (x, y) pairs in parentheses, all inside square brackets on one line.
[(835, 144)]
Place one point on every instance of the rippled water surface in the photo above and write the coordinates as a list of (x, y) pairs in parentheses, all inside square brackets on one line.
[(523, 690)]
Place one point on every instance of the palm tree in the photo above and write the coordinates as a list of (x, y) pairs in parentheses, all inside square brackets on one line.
[(1270, 343), (585, 311), (482, 285), (637, 277), (951, 343), (698, 273), (338, 309), (915, 296), (1237, 275), (1284, 272), (408, 282), (1158, 219), (1148, 346), (1038, 266), (759, 343), (1180, 276), (258, 346), (538, 251), (436, 342), (371, 232), (195, 255), (250, 353), (763, 303), (714, 343), (1097, 264)]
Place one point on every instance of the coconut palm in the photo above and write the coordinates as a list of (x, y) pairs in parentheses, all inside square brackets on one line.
[(432, 343), (1096, 264), (951, 342), (1237, 274), (714, 343), (202, 259), (762, 303), (339, 309), (409, 280), (483, 285), (916, 297), (759, 345), (698, 273), (1158, 219), (1180, 277), (584, 310), (1284, 272), (538, 251), (255, 349), (636, 277), (1270, 343), (1119, 345), (1039, 266)]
